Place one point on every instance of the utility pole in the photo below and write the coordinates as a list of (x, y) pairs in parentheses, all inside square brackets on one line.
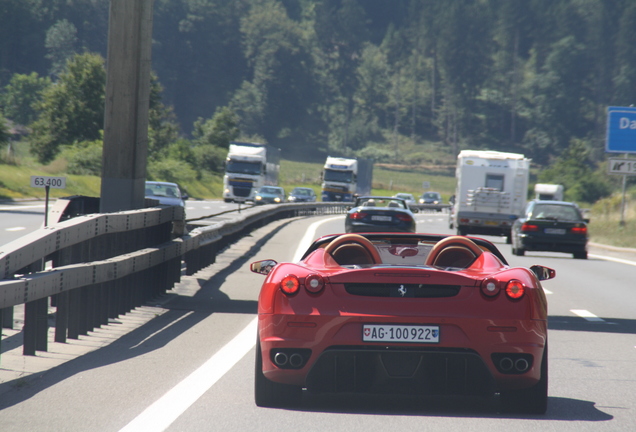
[(125, 150)]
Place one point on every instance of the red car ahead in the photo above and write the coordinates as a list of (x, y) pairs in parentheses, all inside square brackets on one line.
[(402, 313)]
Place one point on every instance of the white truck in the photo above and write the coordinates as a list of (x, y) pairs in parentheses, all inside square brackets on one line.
[(492, 190), (249, 166), (345, 178), (546, 191)]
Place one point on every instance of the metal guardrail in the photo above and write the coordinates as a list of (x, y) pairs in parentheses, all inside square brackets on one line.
[(96, 267)]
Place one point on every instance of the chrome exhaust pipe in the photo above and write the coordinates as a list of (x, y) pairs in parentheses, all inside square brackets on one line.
[(506, 364), (522, 365), (296, 360), (280, 358)]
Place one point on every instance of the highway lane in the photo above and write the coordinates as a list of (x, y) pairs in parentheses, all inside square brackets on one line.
[(20, 218), (592, 372)]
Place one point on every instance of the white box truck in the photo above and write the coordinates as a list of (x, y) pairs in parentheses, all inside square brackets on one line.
[(345, 178), (492, 189), (546, 191), (249, 166)]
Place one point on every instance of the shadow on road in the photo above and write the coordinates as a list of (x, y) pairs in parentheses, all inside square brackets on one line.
[(559, 408)]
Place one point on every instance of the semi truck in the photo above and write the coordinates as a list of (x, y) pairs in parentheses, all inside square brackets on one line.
[(492, 190), (345, 178), (546, 191), (249, 166)]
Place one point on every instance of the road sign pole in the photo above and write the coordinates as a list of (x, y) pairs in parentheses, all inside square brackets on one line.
[(46, 206), (622, 222)]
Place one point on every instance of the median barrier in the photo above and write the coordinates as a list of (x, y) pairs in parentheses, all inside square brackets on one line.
[(92, 268)]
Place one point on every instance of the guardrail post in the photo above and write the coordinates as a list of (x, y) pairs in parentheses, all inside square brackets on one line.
[(6, 317), (61, 316), (42, 325), (74, 318)]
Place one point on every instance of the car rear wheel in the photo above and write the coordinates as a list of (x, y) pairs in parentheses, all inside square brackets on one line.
[(271, 394), (533, 400)]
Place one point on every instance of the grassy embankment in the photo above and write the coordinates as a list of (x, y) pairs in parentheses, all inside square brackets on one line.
[(605, 215)]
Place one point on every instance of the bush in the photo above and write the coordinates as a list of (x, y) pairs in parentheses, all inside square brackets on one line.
[(171, 170), (84, 158), (209, 158)]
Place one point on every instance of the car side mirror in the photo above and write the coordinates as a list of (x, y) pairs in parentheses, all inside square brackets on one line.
[(543, 273), (263, 267), (184, 196)]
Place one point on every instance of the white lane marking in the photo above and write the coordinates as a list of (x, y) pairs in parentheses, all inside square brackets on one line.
[(587, 315), (15, 229), (162, 413), (547, 291), (308, 238), (618, 260), (21, 207)]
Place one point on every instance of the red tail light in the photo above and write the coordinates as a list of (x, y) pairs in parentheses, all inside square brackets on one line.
[(357, 216), (526, 227), (404, 217), (314, 283), (290, 284), (515, 289), (579, 230)]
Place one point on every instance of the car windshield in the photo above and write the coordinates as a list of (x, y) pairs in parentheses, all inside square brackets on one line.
[(241, 167), (269, 190), (380, 202), (405, 196), (555, 211), (431, 195), (305, 192), (164, 190), (338, 176)]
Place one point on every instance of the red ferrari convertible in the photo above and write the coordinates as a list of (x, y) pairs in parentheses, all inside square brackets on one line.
[(414, 314)]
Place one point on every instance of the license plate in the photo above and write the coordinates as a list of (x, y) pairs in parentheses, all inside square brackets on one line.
[(491, 223), (560, 231), (400, 333), (381, 218)]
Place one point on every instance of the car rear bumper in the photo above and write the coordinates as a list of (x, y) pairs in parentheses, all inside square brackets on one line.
[(551, 244), (466, 361)]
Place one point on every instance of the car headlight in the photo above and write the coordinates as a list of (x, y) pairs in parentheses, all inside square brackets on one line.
[(258, 198), (277, 199), (421, 201)]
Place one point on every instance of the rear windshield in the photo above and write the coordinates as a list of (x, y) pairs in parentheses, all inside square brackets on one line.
[(554, 211)]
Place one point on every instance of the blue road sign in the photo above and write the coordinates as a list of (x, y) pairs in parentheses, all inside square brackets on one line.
[(621, 130)]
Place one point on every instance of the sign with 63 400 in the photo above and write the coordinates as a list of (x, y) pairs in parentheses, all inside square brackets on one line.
[(46, 181)]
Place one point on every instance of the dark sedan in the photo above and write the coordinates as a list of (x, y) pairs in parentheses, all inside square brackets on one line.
[(302, 194), (554, 226), (379, 214)]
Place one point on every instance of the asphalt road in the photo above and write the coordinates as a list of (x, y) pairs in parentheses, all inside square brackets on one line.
[(190, 367)]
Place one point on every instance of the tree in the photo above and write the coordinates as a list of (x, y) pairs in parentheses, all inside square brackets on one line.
[(575, 172), (625, 78), (163, 129), (4, 131), (218, 130), (22, 92), (61, 40), (73, 109)]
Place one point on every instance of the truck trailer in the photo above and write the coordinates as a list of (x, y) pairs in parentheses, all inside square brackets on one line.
[(345, 178), (492, 190), (249, 166)]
